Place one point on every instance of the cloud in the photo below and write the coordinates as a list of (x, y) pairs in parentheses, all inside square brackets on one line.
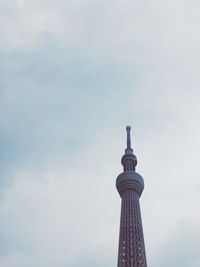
[(49, 218), (182, 246), (74, 73)]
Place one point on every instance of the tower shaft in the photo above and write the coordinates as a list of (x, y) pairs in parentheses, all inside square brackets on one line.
[(131, 240)]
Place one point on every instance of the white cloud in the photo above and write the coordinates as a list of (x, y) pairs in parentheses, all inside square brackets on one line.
[(89, 68), (182, 246)]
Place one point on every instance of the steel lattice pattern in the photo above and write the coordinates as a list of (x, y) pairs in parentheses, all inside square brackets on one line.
[(131, 241)]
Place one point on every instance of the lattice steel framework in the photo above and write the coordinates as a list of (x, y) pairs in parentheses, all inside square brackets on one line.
[(130, 185)]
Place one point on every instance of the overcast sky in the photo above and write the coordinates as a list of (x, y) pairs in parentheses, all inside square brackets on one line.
[(74, 73)]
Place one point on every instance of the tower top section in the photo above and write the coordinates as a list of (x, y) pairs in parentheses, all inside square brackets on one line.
[(129, 178), (129, 160)]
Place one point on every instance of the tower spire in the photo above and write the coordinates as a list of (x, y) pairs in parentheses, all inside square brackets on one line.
[(129, 160), (128, 129)]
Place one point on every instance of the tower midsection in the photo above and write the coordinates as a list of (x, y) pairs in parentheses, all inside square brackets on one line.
[(131, 240)]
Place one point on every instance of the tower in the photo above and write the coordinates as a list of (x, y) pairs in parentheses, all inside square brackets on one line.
[(131, 251)]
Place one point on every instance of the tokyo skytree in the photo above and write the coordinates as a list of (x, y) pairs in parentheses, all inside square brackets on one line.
[(131, 251)]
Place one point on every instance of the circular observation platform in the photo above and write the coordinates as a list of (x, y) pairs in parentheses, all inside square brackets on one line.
[(129, 180)]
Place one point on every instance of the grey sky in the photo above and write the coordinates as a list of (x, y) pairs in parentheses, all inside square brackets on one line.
[(73, 75)]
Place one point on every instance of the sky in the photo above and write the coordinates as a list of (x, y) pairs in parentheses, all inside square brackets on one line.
[(74, 73)]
